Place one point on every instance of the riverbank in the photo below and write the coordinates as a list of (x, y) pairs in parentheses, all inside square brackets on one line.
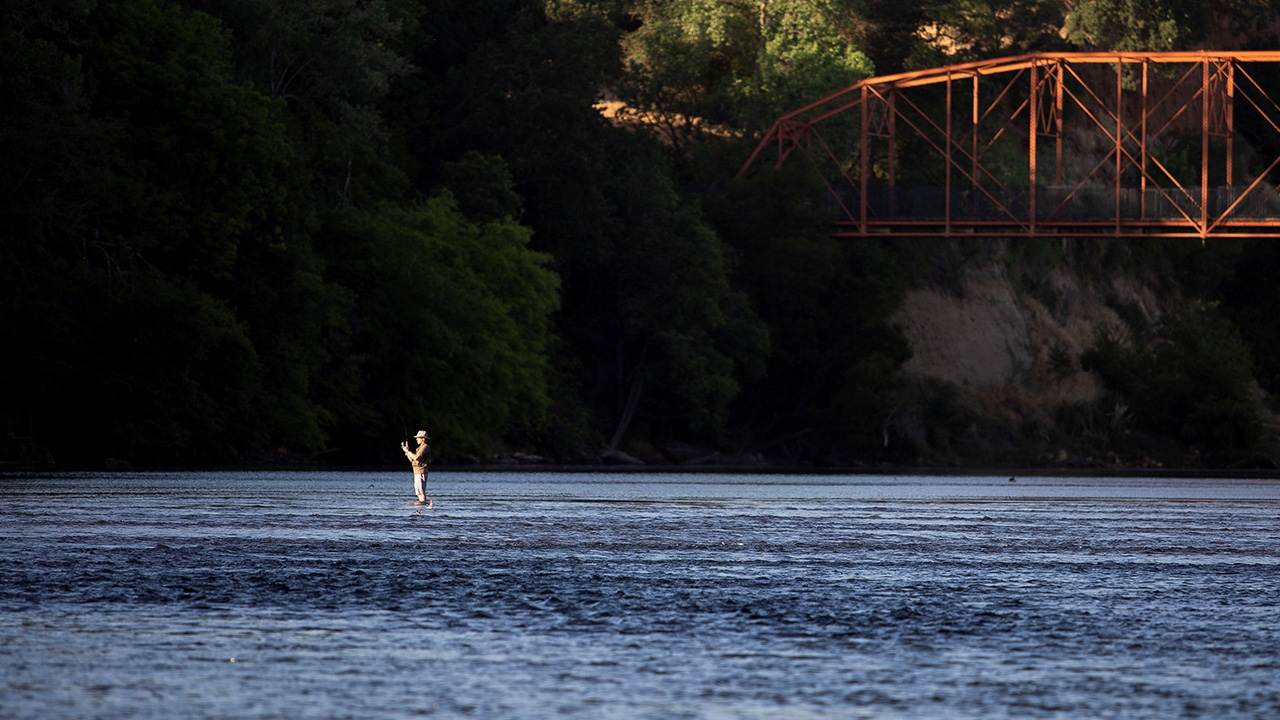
[(1011, 473)]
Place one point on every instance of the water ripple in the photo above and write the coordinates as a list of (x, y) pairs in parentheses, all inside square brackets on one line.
[(644, 596)]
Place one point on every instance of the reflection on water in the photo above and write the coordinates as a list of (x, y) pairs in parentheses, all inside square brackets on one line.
[(319, 595)]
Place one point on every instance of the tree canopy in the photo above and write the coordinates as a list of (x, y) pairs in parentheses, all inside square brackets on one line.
[(241, 230)]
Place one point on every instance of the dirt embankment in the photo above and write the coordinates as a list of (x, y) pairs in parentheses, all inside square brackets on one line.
[(1014, 353), (988, 334)]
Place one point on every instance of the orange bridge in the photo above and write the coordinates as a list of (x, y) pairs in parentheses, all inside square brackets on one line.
[(1171, 144)]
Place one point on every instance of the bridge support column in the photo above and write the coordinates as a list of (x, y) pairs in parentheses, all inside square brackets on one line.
[(863, 164), (948, 161), (1142, 148), (1034, 115), (1119, 191)]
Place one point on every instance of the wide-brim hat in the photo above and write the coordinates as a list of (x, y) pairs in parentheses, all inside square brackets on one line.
[(422, 434)]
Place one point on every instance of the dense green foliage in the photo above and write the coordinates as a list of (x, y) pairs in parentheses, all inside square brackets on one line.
[(450, 321), (234, 230), (737, 64), (1189, 382)]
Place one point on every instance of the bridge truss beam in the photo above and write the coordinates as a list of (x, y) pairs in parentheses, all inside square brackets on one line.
[(1050, 144)]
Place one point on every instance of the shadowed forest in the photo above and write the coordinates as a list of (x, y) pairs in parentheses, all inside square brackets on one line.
[(247, 231)]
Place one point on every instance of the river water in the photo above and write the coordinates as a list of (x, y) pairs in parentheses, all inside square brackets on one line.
[(538, 595)]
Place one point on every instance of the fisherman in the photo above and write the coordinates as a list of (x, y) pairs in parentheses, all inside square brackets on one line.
[(420, 459)]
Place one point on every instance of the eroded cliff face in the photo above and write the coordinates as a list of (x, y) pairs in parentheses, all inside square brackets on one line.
[(976, 338), (989, 334), (1015, 353)]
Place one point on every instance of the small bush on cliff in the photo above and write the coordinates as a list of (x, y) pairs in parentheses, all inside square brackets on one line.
[(1190, 380)]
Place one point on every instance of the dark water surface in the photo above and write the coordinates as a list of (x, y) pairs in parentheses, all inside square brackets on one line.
[(323, 595)]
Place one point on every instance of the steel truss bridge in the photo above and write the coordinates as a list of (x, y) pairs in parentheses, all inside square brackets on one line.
[(1117, 145)]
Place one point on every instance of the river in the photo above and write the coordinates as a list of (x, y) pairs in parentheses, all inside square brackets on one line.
[(538, 595)]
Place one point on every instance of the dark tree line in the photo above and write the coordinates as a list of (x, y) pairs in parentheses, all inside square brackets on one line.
[(234, 229)]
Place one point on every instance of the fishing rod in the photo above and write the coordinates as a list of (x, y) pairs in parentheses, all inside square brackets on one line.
[(404, 425)]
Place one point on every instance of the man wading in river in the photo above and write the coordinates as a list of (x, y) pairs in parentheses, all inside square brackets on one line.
[(420, 459)]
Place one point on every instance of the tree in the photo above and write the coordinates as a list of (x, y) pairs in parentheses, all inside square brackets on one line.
[(647, 299), (163, 187), (1190, 382), (683, 336), (205, 155), (1251, 299), (962, 30), (214, 196), (330, 62), (452, 321), (737, 64), (1160, 25), (1135, 24), (829, 384)]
